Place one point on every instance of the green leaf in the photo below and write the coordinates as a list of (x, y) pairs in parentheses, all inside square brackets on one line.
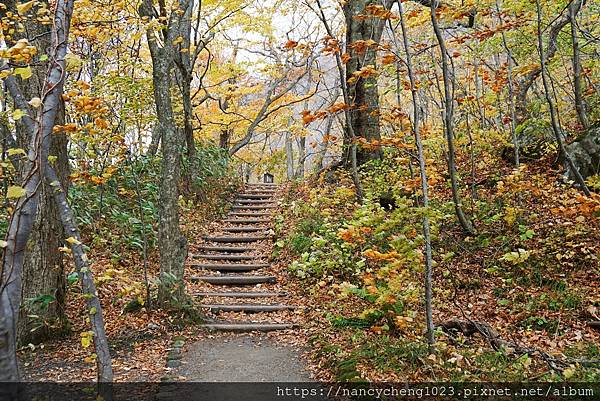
[(72, 278), (15, 191), (16, 151), (24, 72), (18, 114)]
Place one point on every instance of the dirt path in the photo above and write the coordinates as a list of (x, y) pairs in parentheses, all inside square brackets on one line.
[(242, 358), (243, 297)]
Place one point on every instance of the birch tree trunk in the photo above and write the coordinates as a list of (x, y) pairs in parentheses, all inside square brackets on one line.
[(25, 210)]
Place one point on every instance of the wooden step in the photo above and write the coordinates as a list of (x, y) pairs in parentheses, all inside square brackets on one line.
[(233, 240), (249, 308), (226, 257), (254, 196), (235, 280), (247, 221), (244, 207), (254, 201), (220, 248), (244, 327), (250, 214), (230, 267), (233, 294), (245, 229), (270, 191), (262, 193)]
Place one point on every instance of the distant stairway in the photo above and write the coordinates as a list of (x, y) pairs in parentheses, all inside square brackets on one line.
[(233, 266)]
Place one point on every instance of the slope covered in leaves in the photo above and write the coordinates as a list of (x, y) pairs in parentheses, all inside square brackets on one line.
[(530, 273)]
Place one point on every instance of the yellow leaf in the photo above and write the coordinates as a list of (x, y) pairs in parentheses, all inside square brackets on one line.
[(73, 61), (17, 151), (24, 7), (18, 114), (569, 372), (86, 338), (178, 40), (15, 191), (73, 240), (35, 102), (65, 249), (24, 72), (3, 244)]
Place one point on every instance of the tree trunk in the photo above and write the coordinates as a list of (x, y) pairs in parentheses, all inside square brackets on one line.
[(301, 157), (449, 123), (585, 155), (289, 156), (563, 152), (511, 97), (424, 186), (172, 244), (25, 210), (86, 278), (154, 141), (552, 46), (325, 145), (184, 74), (224, 139), (580, 105), (362, 92), (43, 268), (350, 151)]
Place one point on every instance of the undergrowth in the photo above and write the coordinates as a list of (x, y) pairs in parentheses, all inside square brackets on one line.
[(526, 272)]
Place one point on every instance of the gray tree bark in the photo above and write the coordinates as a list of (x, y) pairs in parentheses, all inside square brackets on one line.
[(86, 278), (172, 243), (349, 133), (449, 123), (527, 81), (363, 93), (511, 97), (424, 186), (289, 156), (43, 269), (585, 155), (580, 105), (23, 217), (553, 118)]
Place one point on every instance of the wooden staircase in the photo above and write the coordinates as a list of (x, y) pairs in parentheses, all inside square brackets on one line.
[(232, 267)]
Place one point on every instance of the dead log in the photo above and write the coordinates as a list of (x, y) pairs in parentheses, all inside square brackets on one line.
[(472, 327)]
